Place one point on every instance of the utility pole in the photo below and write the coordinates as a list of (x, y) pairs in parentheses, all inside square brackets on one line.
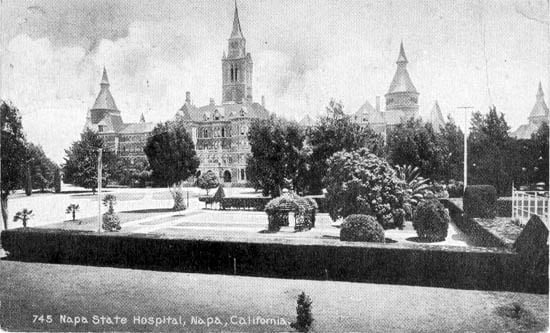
[(465, 109), (99, 181)]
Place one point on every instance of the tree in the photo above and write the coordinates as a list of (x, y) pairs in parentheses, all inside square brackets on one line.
[(490, 151), (81, 161), (42, 169), (275, 146), (13, 152), (451, 141), (72, 209), (208, 181), (333, 133), (171, 153), (413, 142), (23, 216), (359, 182)]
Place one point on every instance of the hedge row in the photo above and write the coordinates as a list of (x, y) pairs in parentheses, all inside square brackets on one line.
[(254, 203), (478, 235), (380, 263)]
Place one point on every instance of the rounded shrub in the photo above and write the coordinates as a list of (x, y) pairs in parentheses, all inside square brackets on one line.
[(431, 220), (361, 228), (111, 222), (480, 201)]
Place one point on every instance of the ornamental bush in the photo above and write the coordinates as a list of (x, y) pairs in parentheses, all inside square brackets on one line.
[(480, 201), (111, 222), (208, 181), (431, 220), (359, 182), (361, 228)]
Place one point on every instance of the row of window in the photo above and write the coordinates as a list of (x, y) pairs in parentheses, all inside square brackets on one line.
[(222, 132)]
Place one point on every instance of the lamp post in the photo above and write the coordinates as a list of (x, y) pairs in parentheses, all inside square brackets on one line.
[(465, 109)]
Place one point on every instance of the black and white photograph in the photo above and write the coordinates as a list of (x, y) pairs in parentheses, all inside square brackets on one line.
[(274, 165)]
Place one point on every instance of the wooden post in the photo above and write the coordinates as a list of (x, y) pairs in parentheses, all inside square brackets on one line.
[(99, 181)]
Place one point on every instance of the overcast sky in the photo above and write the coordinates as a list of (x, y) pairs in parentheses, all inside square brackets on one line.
[(305, 53)]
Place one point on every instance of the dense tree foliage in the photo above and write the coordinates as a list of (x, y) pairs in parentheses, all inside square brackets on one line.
[(13, 154), (359, 182), (208, 181), (81, 161), (41, 169), (451, 142), (492, 159), (415, 143), (276, 146), (332, 133), (171, 153)]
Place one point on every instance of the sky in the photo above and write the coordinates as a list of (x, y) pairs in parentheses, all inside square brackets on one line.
[(461, 53)]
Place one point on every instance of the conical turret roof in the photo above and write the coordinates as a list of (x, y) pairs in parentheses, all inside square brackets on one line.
[(104, 100), (401, 80), (540, 110)]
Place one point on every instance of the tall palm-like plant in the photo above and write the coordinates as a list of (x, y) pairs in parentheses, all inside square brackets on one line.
[(23, 216), (72, 209), (415, 186)]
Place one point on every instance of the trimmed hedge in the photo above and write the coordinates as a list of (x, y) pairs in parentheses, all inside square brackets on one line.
[(504, 207), (361, 228), (243, 203), (480, 201), (431, 220), (451, 267)]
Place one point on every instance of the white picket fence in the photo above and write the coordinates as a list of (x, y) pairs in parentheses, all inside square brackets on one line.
[(528, 203)]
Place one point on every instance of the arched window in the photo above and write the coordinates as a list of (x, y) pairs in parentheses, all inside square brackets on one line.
[(236, 73), (231, 71), (223, 132)]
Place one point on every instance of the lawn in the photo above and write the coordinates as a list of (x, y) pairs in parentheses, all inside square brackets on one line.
[(45, 289), (239, 225)]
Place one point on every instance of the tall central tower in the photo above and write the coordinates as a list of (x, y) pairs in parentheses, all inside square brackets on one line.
[(236, 67)]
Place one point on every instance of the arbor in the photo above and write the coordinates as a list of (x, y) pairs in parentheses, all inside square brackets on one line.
[(491, 152), (13, 152), (81, 161), (333, 133), (171, 153), (275, 146)]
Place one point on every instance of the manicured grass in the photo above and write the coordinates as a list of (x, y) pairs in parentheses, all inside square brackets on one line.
[(31, 288)]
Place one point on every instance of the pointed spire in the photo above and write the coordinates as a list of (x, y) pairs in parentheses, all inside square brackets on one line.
[(402, 59), (236, 33), (104, 78), (142, 118), (540, 94)]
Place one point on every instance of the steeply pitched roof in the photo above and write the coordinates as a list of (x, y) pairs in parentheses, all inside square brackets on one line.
[(228, 111), (104, 100), (401, 80), (368, 112), (236, 32), (525, 131), (436, 117), (540, 110), (141, 127)]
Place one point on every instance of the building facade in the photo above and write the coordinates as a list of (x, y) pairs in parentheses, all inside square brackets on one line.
[(220, 131), (538, 115), (127, 140)]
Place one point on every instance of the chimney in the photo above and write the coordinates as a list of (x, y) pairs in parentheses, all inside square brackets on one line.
[(377, 103), (212, 101), (187, 97), (263, 101)]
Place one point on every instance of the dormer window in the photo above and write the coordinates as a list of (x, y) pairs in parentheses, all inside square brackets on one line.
[(216, 115), (242, 112), (206, 117), (100, 128)]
